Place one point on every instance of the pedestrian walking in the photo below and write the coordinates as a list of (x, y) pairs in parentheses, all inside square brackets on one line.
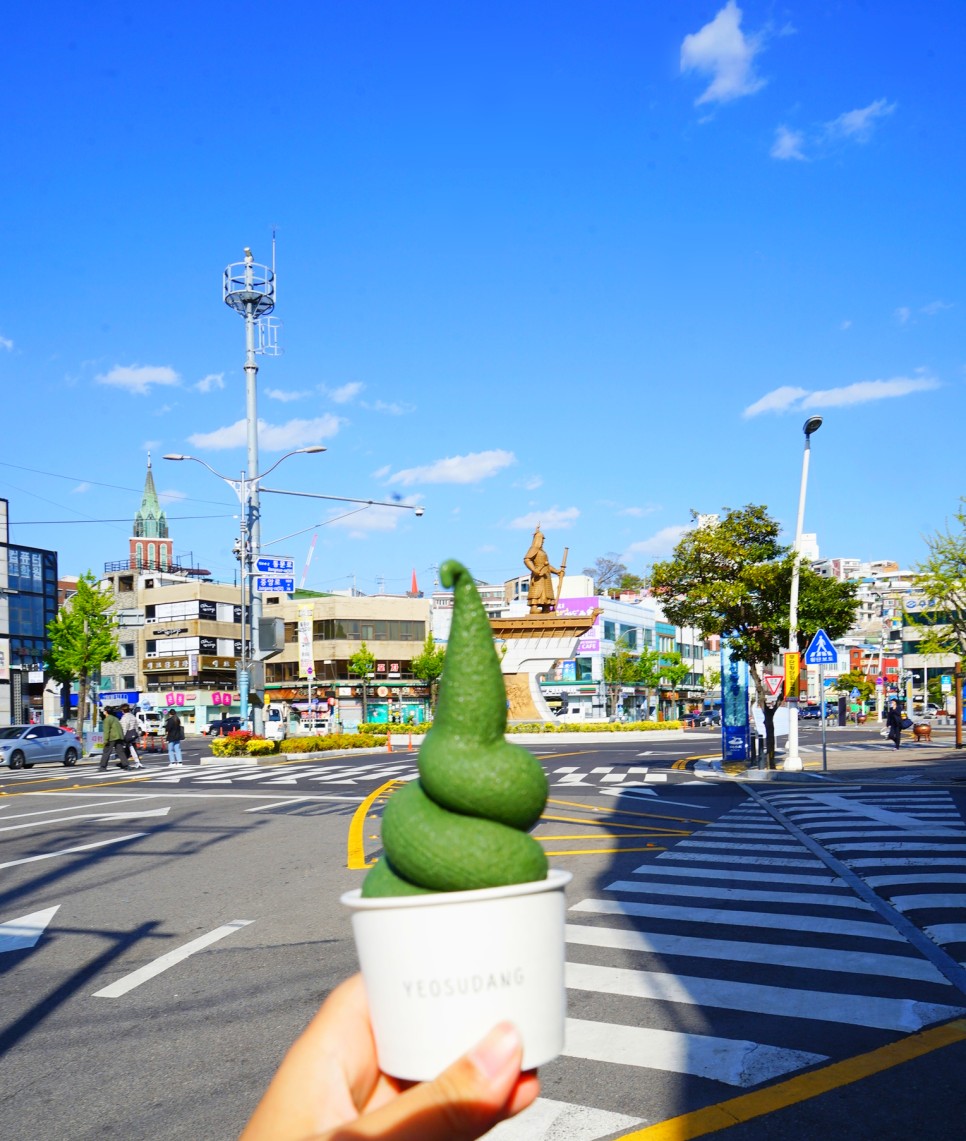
[(113, 741), (174, 735), (129, 723), (894, 723)]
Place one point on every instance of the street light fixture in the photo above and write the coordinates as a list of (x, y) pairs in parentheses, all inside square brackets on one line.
[(793, 762), (247, 548)]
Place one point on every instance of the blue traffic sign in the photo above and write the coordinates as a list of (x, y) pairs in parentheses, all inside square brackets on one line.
[(275, 584), (274, 564), (820, 651)]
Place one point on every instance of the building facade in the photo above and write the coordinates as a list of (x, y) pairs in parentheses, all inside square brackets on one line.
[(28, 603)]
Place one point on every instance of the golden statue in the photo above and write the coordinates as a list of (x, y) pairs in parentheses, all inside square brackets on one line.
[(542, 597)]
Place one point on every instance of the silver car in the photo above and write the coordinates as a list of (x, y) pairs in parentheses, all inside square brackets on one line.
[(23, 746)]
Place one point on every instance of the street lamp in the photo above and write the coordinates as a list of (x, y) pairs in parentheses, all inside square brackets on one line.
[(246, 488), (793, 762)]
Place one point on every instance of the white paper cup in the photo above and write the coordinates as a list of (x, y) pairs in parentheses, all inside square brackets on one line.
[(441, 970)]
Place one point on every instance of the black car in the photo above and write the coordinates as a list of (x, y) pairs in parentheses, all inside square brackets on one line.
[(223, 727)]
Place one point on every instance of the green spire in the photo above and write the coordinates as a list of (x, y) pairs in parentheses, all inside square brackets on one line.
[(150, 521)]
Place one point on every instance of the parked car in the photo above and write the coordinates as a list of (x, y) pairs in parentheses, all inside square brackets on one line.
[(810, 713), (223, 727), (704, 718), (23, 746), (711, 718)]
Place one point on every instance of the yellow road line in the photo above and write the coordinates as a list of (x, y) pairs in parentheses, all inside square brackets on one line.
[(605, 851), (645, 828), (627, 812), (751, 1105), (356, 854)]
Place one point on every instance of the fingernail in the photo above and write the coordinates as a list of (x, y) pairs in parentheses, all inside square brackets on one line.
[(492, 1056)]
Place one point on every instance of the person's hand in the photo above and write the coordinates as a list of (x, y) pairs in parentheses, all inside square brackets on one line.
[(329, 1086)]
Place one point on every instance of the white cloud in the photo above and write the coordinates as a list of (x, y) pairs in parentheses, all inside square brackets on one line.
[(271, 437), (283, 396), (344, 393), (6, 343), (862, 392), (390, 409), (659, 545), (456, 469), (778, 400), (138, 379), (935, 307), (529, 483), (553, 519), (637, 512), (171, 496), (361, 522), (720, 50), (859, 124), (211, 383), (788, 144), (902, 314), (80, 489), (846, 324)]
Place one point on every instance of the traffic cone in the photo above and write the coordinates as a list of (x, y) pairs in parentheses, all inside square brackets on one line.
[(389, 741), (410, 742)]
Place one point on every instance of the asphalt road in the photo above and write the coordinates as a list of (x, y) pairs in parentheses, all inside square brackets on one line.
[(176, 928)]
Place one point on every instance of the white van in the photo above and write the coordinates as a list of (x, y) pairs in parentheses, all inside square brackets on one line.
[(150, 721), (276, 725)]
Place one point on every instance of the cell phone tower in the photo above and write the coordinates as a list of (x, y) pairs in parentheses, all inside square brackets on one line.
[(249, 288)]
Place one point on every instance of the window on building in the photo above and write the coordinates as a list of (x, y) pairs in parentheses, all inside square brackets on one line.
[(128, 681), (609, 629), (127, 649)]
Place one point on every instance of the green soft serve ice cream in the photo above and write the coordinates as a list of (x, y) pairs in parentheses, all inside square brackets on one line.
[(464, 823)]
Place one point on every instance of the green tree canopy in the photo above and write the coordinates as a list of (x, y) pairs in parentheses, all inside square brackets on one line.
[(733, 577), (83, 636), (942, 576), (362, 664), (428, 667)]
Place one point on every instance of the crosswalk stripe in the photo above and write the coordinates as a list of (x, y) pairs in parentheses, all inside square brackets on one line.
[(821, 878), (733, 847), (898, 966), (899, 1014), (562, 1121), (748, 895), (899, 846), (764, 861), (916, 877), (943, 933), (735, 1062), (765, 919), (912, 902)]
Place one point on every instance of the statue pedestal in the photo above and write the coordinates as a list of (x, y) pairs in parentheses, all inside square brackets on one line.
[(533, 645)]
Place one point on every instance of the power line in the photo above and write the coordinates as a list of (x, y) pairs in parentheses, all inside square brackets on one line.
[(126, 519)]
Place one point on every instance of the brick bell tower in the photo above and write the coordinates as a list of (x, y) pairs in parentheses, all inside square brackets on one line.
[(150, 544)]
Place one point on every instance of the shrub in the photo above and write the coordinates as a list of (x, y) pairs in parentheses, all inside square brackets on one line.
[(381, 727), (226, 747), (260, 747), (332, 741)]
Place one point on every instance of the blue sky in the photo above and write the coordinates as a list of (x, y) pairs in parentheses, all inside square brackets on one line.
[(587, 265)]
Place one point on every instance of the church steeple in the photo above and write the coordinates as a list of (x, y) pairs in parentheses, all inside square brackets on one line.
[(151, 544)]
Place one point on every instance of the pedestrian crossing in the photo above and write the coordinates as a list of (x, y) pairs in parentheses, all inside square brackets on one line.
[(716, 966)]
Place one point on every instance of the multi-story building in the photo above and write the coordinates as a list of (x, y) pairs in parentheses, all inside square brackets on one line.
[(28, 602), (393, 628)]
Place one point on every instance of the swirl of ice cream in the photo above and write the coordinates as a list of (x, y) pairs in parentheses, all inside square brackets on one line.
[(464, 823)]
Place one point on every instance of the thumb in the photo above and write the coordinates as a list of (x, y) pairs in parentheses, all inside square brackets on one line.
[(479, 1090)]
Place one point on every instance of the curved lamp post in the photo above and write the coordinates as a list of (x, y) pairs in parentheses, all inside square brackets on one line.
[(793, 762), (249, 543)]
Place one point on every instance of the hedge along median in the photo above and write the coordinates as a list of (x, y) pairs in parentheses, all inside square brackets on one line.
[(372, 736)]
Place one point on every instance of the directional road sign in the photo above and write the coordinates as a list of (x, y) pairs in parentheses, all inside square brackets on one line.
[(275, 584), (274, 564), (820, 651)]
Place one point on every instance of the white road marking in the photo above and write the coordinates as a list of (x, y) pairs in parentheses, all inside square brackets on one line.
[(773, 954), (916, 877), (764, 919), (70, 808), (914, 902), (172, 958), (734, 1062), (823, 878), (561, 1121), (88, 816), (19, 934), (899, 1014), (70, 851), (707, 891)]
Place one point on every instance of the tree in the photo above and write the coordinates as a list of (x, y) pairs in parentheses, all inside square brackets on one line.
[(83, 636), (648, 672), (943, 577), (671, 668), (607, 572), (428, 666), (362, 664), (619, 669), (855, 679), (733, 577)]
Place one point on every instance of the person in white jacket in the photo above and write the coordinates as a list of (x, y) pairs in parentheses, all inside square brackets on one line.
[(129, 726)]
